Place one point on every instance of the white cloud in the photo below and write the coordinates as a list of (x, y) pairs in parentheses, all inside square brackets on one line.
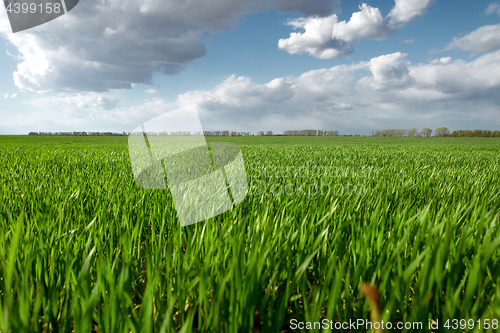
[(406, 10), (385, 92), (484, 39), (13, 56), (316, 86), (493, 8), (241, 92), (316, 40), (327, 38), (443, 92), (442, 61), (321, 85), (6, 95), (408, 41), (151, 91), (389, 72), (477, 79), (80, 101), (102, 45), (84, 112), (368, 23)]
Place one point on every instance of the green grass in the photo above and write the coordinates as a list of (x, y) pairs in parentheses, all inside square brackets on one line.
[(83, 249)]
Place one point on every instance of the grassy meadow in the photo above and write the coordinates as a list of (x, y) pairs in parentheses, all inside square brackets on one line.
[(83, 249)]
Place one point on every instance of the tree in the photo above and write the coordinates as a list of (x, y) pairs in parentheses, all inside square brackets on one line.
[(260, 133), (332, 133), (441, 131), (309, 132), (412, 132), (269, 133), (426, 132)]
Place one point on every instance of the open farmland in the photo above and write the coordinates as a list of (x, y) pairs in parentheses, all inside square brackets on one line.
[(82, 248)]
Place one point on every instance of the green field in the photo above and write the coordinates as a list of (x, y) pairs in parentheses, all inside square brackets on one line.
[(83, 249)]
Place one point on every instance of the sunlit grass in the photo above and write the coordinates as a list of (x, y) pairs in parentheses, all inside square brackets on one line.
[(82, 248)]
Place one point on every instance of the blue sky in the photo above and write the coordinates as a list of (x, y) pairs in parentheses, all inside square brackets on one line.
[(256, 65)]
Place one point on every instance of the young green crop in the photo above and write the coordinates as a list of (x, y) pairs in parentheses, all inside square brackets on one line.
[(83, 249)]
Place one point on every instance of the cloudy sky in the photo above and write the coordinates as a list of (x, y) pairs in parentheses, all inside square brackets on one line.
[(252, 65)]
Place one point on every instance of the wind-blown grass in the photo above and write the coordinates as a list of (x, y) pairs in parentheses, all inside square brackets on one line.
[(82, 248)]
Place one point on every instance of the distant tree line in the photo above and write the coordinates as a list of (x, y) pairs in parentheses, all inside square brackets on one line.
[(412, 132), (443, 131), (165, 133), (475, 133), (199, 133), (178, 133), (439, 132), (310, 132), (226, 133), (77, 134)]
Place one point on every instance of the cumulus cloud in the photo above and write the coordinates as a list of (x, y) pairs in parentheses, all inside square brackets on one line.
[(461, 79), (316, 40), (368, 23), (102, 45), (329, 38), (151, 91), (406, 10), (390, 91), (241, 92), (493, 8), (326, 85), (318, 98), (106, 103), (316, 86), (389, 72), (356, 98), (484, 39)]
